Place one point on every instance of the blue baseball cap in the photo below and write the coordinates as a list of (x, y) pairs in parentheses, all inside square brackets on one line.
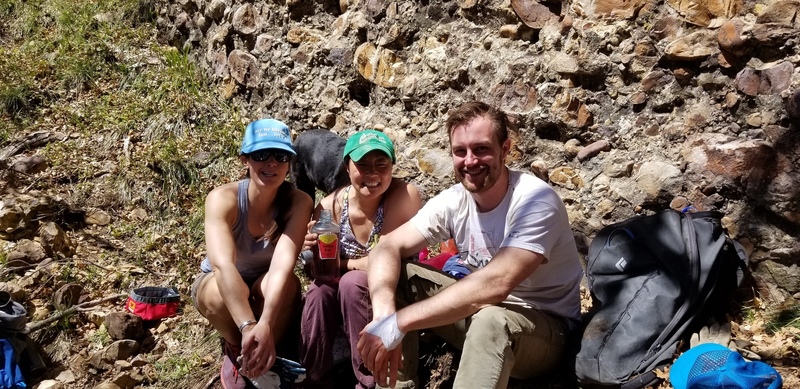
[(711, 365), (267, 134)]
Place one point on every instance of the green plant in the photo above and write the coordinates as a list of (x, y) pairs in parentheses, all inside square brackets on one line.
[(785, 317), (176, 367), (100, 338), (14, 99)]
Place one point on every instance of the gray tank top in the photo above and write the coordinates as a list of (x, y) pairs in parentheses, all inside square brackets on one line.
[(253, 255)]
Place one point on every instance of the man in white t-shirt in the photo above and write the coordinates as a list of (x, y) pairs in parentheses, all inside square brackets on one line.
[(512, 315)]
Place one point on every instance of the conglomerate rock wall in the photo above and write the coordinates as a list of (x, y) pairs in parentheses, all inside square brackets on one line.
[(627, 107)]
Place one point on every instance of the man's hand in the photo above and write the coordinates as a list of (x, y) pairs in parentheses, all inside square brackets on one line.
[(383, 363), (258, 349), (386, 328)]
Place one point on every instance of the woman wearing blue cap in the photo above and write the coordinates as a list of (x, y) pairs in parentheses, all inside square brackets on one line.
[(254, 230), (372, 205)]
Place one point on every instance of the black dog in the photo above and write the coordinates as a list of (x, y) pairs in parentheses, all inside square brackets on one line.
[(318, 163)]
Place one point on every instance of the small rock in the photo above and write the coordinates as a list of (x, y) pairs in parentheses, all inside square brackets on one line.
[(298, 35), (593, 149), (793, 105), (697, 45), (769, 80), (40, 312), (564, 63), (17, 293), (683, 75), (566, 24), (380, 66), (50, 384), (638, 98), (103, 18), (729, 224), (754, 120), (539, 169), (139, 214), (617, 166), (119, 350), (655, 79), (656, 179), (30, 165), (585, 117), (243, 68), (66, 376), (566, 177), (731, 99), (128, 380), (679, 203), (122, 365), (702, 12), (572, 147), (27, 251), (533, 14), (620, 9), (162, 328), (67, 296), (124, 325), (605, 207), (783, 12), (731, 38), (97, 217), (139, 361), (509, 31), (215, 10), (244, 19), (107, 385), (55, 240)]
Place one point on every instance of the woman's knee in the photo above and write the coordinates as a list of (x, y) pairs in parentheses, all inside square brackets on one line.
[(320, 296), (290, 288), (353, 284), (208, 299)]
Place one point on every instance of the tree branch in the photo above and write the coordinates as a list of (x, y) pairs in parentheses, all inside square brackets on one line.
[(37, 325)]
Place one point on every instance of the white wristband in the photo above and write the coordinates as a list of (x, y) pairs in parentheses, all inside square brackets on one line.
[(386, 328)]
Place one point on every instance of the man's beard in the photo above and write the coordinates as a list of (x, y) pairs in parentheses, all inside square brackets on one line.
[(491, 177)]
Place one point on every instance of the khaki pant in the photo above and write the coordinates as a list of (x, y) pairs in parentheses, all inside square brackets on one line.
[(497, 342)]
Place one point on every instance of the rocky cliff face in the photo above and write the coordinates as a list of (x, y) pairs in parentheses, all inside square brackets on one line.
[(626, 106)]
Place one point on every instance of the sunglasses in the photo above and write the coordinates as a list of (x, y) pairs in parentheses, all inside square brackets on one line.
[(263, 155)]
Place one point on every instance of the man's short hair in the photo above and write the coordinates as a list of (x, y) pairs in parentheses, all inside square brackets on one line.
[(468, 112)]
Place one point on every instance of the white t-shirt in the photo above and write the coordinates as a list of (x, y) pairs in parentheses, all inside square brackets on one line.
[(531, 217)]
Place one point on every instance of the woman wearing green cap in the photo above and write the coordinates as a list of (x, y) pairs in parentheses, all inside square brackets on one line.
[(372, 205), (254, 230)]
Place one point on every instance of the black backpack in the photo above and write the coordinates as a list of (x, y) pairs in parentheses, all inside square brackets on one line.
[(653, 278)]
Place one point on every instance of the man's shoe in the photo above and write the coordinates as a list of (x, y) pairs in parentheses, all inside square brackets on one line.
[(229, 375)]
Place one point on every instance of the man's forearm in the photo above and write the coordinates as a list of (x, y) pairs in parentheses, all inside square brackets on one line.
[(487, 286), (383, 271), (452, 304)]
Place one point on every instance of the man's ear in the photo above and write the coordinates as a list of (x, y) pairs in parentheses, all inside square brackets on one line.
[(506, 147), (243, 159)]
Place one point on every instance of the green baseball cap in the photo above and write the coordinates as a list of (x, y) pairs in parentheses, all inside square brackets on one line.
[(362, 142)]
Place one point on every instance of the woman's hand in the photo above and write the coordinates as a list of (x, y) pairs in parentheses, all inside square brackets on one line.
[(258, 349), (310, 240)]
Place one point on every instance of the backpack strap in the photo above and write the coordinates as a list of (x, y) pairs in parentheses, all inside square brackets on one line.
[(644, 380)]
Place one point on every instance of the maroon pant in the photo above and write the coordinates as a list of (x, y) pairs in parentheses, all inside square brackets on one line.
[(326, 309)]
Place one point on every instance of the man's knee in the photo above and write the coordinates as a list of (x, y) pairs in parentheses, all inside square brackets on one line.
[(418, 282), (490, 323)]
